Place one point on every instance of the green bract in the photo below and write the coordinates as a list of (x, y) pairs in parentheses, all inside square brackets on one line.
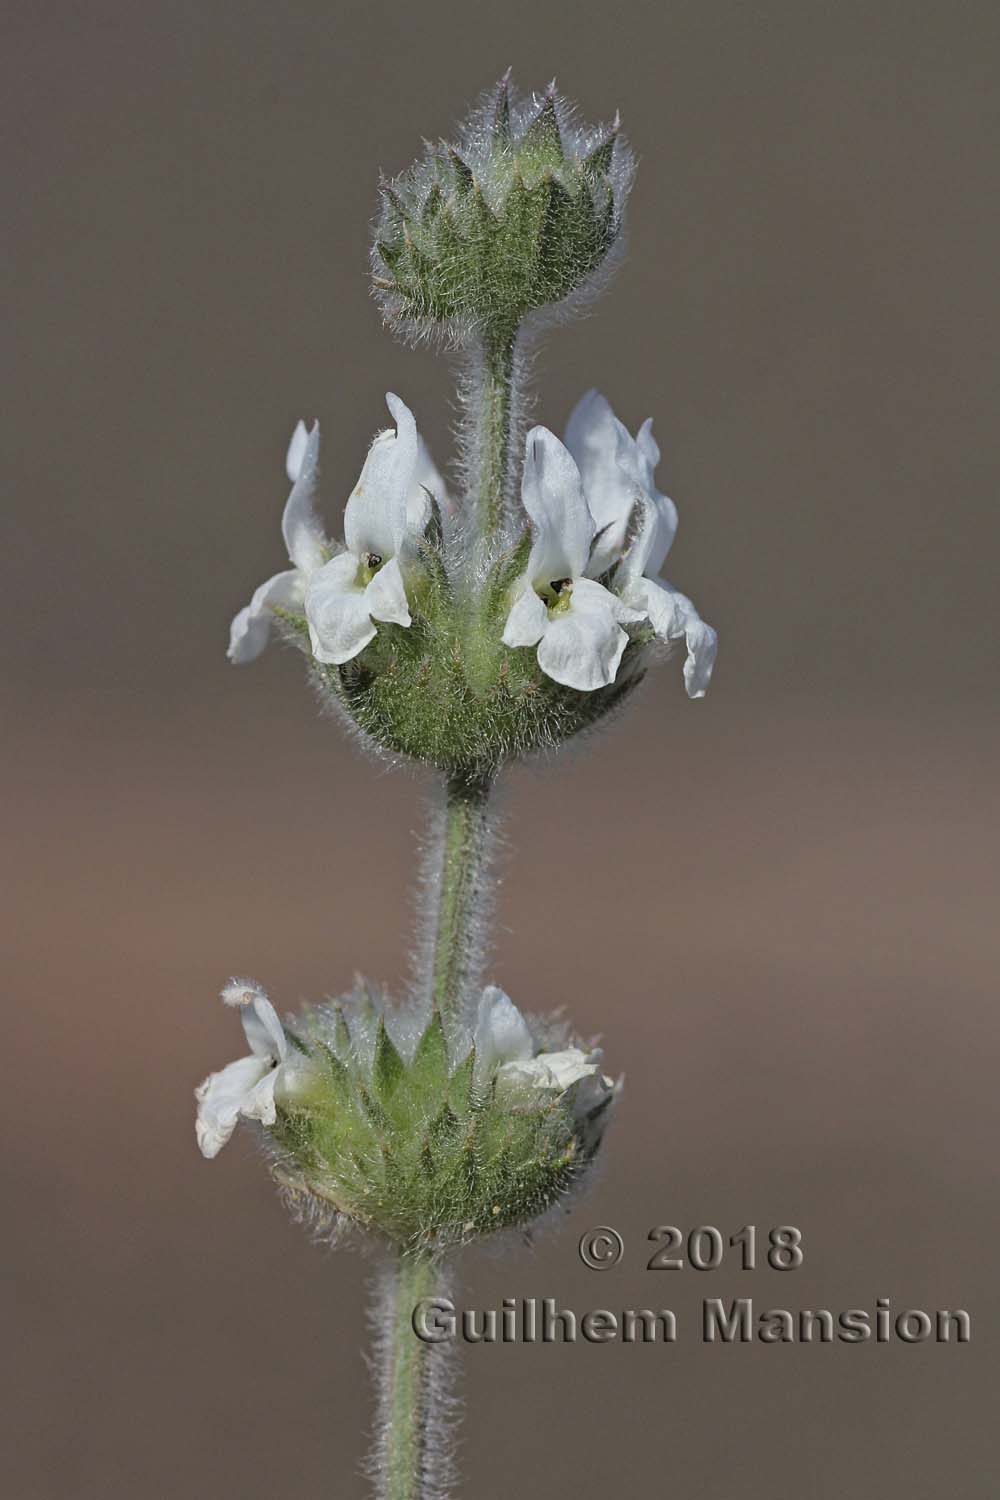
[(422, 1152), (518, 216)]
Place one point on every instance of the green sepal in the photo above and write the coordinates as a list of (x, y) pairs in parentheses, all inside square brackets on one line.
[(501, 112), (460, 1087), (598, 163), (294, 622), (431, 1055), (388, 1069), (339, 1077), (508, 569), (444, 1126), (294, 1038), (341, 1034), (541, 145), (432, 203), (464, 178), (372, 1108)]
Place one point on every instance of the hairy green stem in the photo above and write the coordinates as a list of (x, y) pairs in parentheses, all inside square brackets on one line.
[(462, 890), (494, 421), (413, 1457)]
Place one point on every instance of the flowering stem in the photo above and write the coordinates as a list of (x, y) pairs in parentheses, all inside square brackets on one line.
[(461, 880), (413, 1457), (493, 416)]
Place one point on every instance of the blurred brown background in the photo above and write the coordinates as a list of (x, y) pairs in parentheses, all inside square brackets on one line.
[(778, 905)]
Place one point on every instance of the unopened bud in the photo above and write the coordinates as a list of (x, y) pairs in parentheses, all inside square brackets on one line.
[(522, 214)]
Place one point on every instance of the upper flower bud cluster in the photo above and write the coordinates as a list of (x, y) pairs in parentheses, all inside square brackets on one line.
[(521, 213), (400, 1128)]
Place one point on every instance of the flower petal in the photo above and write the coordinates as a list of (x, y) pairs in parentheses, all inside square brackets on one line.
[(259, 1104), (595, 1088), (283, 1084), (501, 1033), (418, 512), (221, 1099), (337, 611), (527, 620), (552, 495), (236, 992), (264, 1030), (592, 1102), (618, 470), (595, 437), (251, 628), (702, 648), (549, 1070), (660, 604), (673, 618), (300, 525), (385, 596), (639, 458), (657, 529), (427, 476), (375, 517), (583, 645), (296, 451)]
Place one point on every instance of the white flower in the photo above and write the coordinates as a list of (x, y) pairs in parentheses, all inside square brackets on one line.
[(617, 472), (501, 1034), (615, 468), (670, 613), (385, 517), (307, 551), (251, 1085), (591, 1107), (504, 1045), (574, 621), (550, 1070)]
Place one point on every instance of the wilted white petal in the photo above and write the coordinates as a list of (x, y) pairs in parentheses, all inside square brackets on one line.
[(300, 525), (385, 596), (594, 1090), (337, 611), (251, 628), (592, 1103), (527, 619), (583, 644), (549, 1070), (569, 1066), (221, 1098), (501, 1033), (661, 605)]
